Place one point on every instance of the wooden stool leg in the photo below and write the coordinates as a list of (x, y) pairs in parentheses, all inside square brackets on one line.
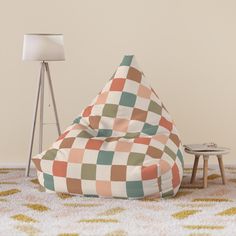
[(205, 171), (195, 165), (222, 170)]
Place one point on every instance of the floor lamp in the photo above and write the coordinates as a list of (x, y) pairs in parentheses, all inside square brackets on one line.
[(43, 48)]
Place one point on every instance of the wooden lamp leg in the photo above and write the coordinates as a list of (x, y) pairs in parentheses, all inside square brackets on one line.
[(27, 170), (53, 98), (40, 98)]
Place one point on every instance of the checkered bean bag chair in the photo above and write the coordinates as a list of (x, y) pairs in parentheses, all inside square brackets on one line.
[(124, 144)]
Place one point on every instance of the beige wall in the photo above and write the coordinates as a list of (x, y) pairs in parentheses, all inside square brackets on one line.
[(186, 48)]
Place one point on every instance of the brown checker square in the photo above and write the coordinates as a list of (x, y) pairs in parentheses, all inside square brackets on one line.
[(62, 136), (134, 74), (59, 168), (74, 186), (118, 173), (154, 152), (117, 85), (175, 139), (139, 114), (94, 144), (67, 142), (94, 121)]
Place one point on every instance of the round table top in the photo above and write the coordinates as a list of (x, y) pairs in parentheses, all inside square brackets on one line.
[(223, 151)]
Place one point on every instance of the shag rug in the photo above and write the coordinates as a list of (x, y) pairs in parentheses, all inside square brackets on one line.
[(26, 209)]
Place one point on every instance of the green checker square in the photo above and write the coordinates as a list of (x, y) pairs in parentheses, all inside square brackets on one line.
[(88, 171), (110, 110), (136, 159), (48, 181), (181, 158), (77, 120), (104, 133), (131, 135), (127, 99), (169, 152), (91, 195), (154, 107), (84, 134), (149, 129), (134, 189), (50, 154), (105, 157), (167, 194), (127, 60)]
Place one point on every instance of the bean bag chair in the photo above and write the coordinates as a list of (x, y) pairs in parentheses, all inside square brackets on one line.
[(124, 144)]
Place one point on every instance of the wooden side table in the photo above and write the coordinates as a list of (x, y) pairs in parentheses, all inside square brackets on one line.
[(206, 155)]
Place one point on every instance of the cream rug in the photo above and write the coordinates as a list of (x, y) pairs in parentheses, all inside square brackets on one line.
[(25, 209)]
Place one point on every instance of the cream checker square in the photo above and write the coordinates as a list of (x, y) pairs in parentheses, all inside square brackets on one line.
[(103, 172), (120, 158), (88, 187), (60, 184), (74, 170)]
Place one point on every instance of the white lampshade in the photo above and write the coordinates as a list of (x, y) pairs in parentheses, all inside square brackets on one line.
[(43, 47)]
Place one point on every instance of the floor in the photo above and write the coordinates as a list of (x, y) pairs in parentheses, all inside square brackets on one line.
[(25, 209)]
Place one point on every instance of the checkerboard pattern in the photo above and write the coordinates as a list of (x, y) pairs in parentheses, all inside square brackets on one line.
[(124, 144)]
